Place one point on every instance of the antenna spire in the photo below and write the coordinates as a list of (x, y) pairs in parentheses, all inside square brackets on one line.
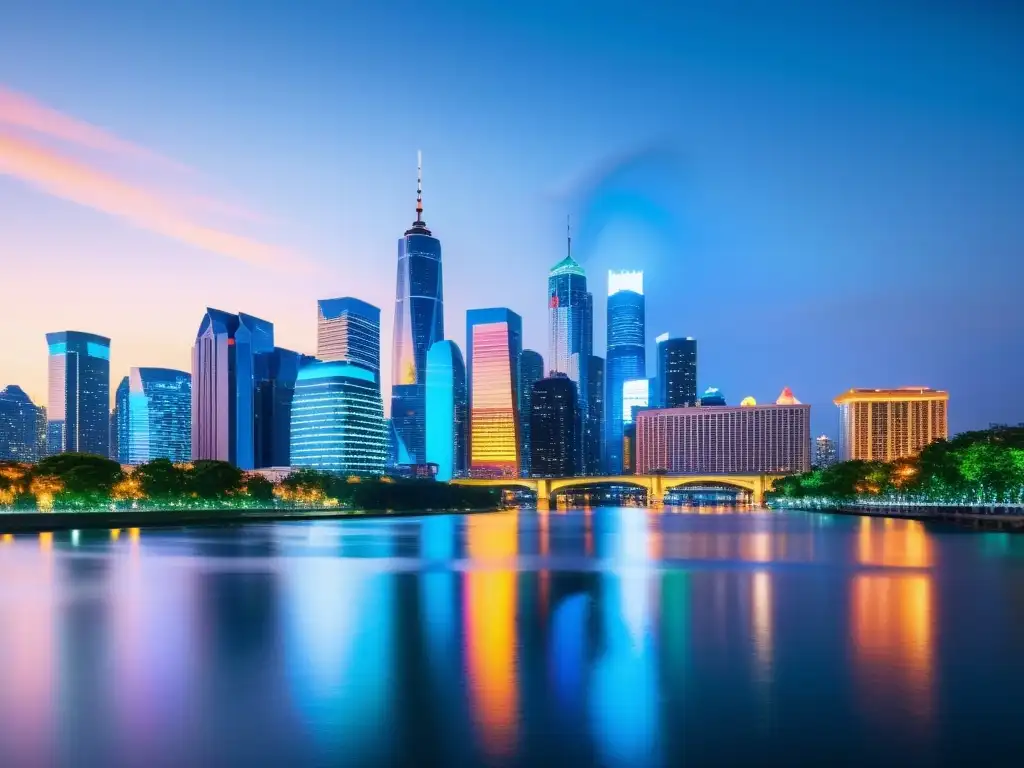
[(568, 235), (419, 186)]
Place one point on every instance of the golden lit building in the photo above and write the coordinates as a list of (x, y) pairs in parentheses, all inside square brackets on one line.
[(890, 424)]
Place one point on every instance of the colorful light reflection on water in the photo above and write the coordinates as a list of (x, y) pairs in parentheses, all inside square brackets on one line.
[(599, 636)]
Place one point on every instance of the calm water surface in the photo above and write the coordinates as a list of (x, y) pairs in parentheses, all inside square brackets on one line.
[(605, 636)]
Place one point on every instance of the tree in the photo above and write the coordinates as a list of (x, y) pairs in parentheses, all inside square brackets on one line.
[(81, 475), (258, 488), (214, 479), (161, 479)]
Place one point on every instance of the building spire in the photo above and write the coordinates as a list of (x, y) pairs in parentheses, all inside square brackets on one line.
[(568, 236), (419, 186)]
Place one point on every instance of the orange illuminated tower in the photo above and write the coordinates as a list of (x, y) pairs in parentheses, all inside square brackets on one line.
[(890, 424), (493, 344)]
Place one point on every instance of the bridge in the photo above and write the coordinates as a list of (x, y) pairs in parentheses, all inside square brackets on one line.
[(655, 485)]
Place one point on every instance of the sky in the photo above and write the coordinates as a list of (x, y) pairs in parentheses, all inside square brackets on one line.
[(825, 195)]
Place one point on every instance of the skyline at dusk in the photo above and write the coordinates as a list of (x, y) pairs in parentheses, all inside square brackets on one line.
[(821, 211)]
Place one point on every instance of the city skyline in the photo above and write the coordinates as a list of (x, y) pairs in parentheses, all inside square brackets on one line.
[(819, 202)]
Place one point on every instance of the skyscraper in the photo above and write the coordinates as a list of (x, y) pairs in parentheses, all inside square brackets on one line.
[(594, 428), (677, 372), (824, 452), (119, 427), (275, 373), (493, 343), (337, 419), (419, 324), (19, 425), (447, 410), (531, 369), (570, 310), (159, 423), (554, 426), (890, 424), (79, 393), (348, 330), (626, 353)]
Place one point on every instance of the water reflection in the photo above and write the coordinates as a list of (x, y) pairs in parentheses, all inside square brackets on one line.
[(601, 636)]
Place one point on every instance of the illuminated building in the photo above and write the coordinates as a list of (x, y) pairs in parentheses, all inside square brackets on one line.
[(626, 357), (531, 369), (337, 419), (348, 330), (748, 401), (157, 420), (79, 393), (724, 439), (493, 342), (447, 410), (593, 426), (786, 397), (554, 427), (824, 452), (241, 391), (890, 424), (677, 372), (712, 397), (419, 324), (635, 394), (119, 431), (20, 421)]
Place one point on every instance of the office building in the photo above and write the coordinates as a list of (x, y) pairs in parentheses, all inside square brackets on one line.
[(447, 410), (275, 373), (20, 425), (531, 369), (78, 408), (348, 330), (890, 424), (158, 420), (594, 424), (119, 429), (636, 394), (712, 397), (493, 344), (724, 439), (419, 324), (677, 372), (554, 427), (337, 420), (824, 452), (626, 356)]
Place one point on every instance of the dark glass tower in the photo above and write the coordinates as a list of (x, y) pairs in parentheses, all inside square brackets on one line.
[(79, 397), (593, 431), (119, 430), (419, 324), (626, 354), (554, 427), (19, 425), (531, 370), (677, 373), (155, 416)]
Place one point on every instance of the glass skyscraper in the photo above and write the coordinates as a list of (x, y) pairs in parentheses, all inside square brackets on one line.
[(78, 410), (626, 353), (447, 410), (119, 429), (159, 424), (419, 324), (348, 330), (570, 308), (337, 419), (677, 372), (493, 343), (554, 427), (531, 369), (20, 422), (594, 427)]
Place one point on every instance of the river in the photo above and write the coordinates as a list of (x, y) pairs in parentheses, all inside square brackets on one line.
[(612, 636)]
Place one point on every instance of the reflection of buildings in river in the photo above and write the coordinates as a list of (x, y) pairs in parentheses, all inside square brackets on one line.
[(762, 622), (893, 615), (490, 630), (27, 635)]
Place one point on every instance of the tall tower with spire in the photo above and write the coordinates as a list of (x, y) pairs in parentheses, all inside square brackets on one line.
[(419, 322)]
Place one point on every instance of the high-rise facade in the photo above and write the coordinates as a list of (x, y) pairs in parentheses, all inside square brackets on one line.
[(20, 421), (531, 369), (337, 419), (890, 424), (724, 439), (677, 372), (419, 324), (493, 344), (275, 373), (119, 425), (626, 357), (78, 408), (824, 452), (594, 427), (447, 410), (554, 427), (348, 330), (158, 418)]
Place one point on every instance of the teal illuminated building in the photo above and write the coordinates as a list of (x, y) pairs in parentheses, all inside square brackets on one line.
[(78, 407), (337, 419), (159, 423), (447, 410)]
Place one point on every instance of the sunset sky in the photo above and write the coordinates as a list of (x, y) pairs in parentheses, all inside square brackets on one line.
[(826, 195)]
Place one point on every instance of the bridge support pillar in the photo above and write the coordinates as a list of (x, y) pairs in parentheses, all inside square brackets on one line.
[(543, 494), (656, 491), (757, 497)]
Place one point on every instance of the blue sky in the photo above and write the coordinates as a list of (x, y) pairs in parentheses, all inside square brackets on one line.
[(826, 195)]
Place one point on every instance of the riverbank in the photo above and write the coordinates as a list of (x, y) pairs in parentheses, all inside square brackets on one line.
[(40, 522), (980, 518)]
